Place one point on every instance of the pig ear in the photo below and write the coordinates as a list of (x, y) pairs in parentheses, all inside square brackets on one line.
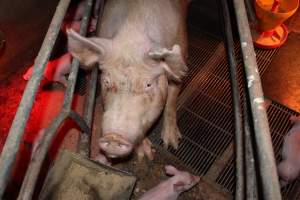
[(171, 61), (179, 186), (87, 50), (170, 170)]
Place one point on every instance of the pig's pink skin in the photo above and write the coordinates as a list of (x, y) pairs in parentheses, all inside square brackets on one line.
[(289, 167), (55, 70), (75, 14), (144, 148), (141, 47), (171, 188), (102, 159), (75, 25)]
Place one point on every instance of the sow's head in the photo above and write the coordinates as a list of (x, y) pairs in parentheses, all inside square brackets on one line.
[(134, 82)]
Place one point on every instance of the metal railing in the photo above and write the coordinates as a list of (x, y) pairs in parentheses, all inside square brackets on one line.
[(257, 111), (12, 144)]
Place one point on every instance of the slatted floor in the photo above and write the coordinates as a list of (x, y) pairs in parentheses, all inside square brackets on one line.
[(205, 115)]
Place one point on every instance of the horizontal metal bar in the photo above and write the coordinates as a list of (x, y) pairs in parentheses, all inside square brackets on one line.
[(267, 165), (16, 131)]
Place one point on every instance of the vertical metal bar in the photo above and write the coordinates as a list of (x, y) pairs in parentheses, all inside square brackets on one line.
[(16, 131), (85, 138), (251, 11), (83, 146), (265, 151), (239, 141), (251, 182), (39, 155)]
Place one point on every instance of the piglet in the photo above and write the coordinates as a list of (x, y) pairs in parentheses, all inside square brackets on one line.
[(289, 167), (100, 158), (171, 188), (55, 70)]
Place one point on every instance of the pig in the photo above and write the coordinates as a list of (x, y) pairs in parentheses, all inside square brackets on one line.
[(144, 148), (55, 71), (141, 49), (171, 188), (100, 158), (75, 14), (289, 167)]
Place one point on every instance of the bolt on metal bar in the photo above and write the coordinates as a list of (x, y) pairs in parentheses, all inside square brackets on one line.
[(16, 131), (39, 155), (267, 166), (239, 141)]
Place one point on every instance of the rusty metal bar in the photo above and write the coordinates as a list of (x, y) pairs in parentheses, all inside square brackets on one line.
[(16, 131), (266, 160), (39, 155), (239, 140)]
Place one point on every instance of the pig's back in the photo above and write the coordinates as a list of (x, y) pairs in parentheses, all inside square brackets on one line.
[(161, 21)]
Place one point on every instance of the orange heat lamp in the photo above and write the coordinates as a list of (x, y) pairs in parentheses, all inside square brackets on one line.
[(270, 31)]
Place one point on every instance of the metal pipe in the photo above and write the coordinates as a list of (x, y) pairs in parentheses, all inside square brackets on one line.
[(267, 166), (251, 182), (16, 131), (239, 141), (39, 155), (85, 138), (83, 146), (37, 158), (251, 12)]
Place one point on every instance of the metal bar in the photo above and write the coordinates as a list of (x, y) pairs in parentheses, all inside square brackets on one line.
[(267, 166), (80, 121), (239, 141), (83, 146), (85, 138), (251, 11), (16, 131), (251, 182), (39, 155)]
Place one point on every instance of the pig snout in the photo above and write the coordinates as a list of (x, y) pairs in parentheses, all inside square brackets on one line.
[(115, 145)]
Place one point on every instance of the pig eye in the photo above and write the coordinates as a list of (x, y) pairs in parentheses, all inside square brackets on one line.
[(106, 82), (148, 85)]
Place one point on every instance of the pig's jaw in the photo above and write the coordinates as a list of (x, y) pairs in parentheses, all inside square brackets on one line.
[(115, 145)]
